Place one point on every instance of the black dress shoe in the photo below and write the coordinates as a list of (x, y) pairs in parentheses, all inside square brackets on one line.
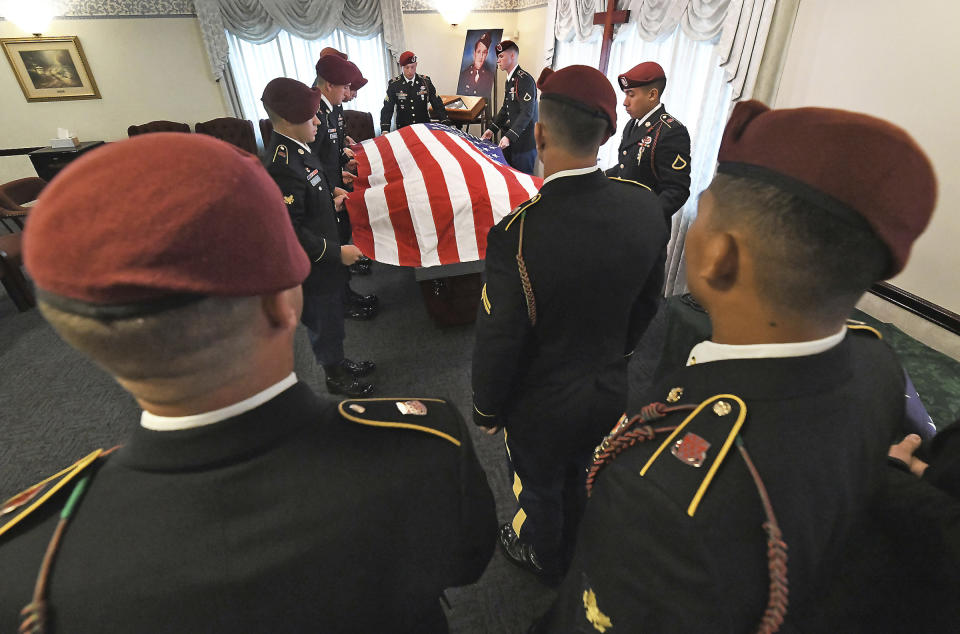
[(522, 555), (349, 385), (364, 301), (359, 313), (358, 368)]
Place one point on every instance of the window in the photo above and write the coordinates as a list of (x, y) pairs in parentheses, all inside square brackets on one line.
[(290, 56)]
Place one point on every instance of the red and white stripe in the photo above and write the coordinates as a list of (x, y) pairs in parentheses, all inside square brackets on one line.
[(425, 197)]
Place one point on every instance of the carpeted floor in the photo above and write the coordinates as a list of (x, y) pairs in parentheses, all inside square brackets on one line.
[(55, 407)]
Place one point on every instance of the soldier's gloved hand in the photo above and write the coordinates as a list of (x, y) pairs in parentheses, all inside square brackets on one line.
[(349, 254), (505, 142), (487, 135)]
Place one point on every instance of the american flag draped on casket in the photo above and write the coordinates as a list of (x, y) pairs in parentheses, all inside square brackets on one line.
[(428, 194)]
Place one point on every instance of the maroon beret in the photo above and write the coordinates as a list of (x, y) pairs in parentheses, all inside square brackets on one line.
[(407, 58), (506, 45), (584, 88), (360, 83), (332, 51), (485, 39), (852, 165), (641, 75), (165, 215), (291, 99), (335, 69)]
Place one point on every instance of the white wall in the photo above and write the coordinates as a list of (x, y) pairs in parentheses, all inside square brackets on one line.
[(900, 63), (439, 46), (145, 68)]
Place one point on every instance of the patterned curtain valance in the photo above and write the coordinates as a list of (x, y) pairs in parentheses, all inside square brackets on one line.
[(259, 21), (742, 27)]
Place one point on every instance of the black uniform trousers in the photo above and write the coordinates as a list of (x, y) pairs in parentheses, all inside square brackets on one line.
[(301, 515), (673, 538), (558, 385)]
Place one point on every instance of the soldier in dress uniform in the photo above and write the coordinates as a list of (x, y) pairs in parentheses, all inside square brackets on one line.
[(725, 505), (240, 501), (518, 114), (310, 200), (408, 94), (476, 79), (338, 159), (655, 148), (568, 293)]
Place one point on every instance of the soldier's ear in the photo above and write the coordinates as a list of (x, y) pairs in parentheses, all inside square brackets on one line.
[(282, 309), (538, 136)]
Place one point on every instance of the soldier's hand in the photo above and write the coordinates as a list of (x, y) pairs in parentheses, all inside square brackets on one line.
[(490, 430), (339, 191), (350, 141), (347, 150), (339, 201), (505, 142), (352, 164), (487, 135), (347, 177), (904, 450), (349, 254)]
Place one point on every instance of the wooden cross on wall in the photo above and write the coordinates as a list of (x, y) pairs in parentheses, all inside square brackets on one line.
[(608, 18)]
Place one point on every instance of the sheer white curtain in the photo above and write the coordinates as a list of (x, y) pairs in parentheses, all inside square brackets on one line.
[(697, 94), (287, 55)]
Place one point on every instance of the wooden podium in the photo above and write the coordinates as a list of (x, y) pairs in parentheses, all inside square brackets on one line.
[(464, 110)]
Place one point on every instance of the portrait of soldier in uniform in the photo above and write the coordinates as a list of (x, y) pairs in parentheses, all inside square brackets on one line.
[(477, 72)]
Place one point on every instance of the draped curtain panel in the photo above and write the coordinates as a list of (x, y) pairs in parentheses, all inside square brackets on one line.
[(259, 21)]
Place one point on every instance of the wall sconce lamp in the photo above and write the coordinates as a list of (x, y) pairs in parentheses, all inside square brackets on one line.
[(33, 16), (454, 11)]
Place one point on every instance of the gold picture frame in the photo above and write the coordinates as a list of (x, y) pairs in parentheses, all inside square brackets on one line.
[(50, 68)]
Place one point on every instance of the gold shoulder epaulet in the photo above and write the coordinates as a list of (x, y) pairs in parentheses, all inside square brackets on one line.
[(703, 439), (427, 415), (522, 207), (860, 327), (34, 497), (627, 180)]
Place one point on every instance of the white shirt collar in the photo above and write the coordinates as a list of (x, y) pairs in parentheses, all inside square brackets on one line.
[(659, 106), (410, 81), (707, 351), (300, 143), (326, 101), (512, 71), (176, 423), (574, 172)]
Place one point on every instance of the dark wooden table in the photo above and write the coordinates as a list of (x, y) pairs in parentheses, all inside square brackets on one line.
[(50, 160)]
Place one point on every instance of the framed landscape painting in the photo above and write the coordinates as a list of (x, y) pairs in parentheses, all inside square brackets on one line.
[(50, 68)]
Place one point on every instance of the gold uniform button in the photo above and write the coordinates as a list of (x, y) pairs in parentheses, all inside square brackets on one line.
[(722, 408), (300, 151), (624, 152), (675, 395), (646, 123), (621, 165)]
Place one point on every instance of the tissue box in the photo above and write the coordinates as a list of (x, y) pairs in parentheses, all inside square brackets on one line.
[(70, 142)]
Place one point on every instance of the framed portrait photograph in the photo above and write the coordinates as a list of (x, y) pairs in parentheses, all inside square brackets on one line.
[(478, 64), (50, 68)]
